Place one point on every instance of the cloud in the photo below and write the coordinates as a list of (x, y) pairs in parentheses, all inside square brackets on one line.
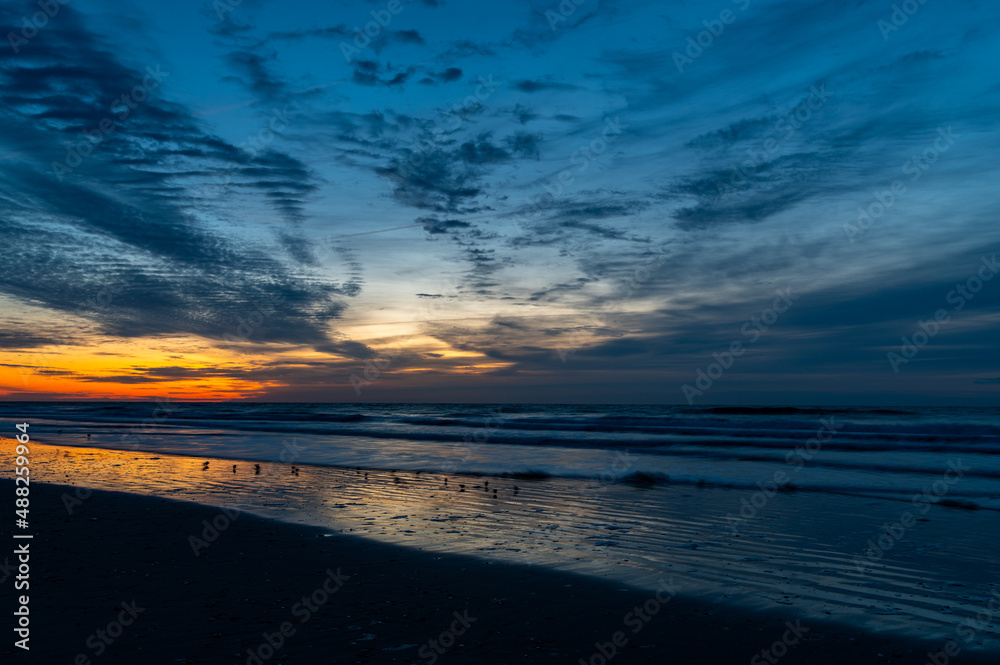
[(174, 227), (372, 73), (253, 71), (406, 37), (464, 48), (448, 75), (330, 32), (434, 225), (528, 85), (25, 340), (124, 221)]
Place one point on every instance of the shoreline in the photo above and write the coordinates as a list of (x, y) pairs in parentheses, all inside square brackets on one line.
[(971, 502), (383, 603)]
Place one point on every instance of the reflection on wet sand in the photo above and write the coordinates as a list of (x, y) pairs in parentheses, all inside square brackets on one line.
[(799, 552)]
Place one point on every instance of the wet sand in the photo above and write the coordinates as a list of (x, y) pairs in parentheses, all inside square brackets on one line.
[(381, 602), (810, 553)]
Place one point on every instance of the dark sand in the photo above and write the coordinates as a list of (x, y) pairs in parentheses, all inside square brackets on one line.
[(214, 607)]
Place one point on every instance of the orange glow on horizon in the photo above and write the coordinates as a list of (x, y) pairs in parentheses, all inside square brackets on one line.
[(187, 368)]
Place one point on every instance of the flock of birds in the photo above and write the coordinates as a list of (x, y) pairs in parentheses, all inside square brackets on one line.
[(256, 468), (295, 472)]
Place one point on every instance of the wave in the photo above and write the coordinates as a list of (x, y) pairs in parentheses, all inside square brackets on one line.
[(797, 410), (674, 441)]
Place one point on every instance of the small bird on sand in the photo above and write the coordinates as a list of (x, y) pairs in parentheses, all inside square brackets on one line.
[(204, 466), (234, 468), (256, 469), (445, 481)]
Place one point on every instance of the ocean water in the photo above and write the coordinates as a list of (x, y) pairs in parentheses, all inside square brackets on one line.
[(895, 453)]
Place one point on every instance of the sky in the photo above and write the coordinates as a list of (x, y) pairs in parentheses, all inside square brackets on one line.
[(746, 201)]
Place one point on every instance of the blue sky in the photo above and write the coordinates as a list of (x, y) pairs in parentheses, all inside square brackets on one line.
[(519, 201)]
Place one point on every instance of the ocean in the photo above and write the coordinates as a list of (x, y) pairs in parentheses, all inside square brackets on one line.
[(887, 452)]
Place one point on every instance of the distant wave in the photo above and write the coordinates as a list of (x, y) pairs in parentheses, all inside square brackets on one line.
[(797, 410)]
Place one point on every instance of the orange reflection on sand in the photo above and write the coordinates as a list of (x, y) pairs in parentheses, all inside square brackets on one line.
[(117, 470)]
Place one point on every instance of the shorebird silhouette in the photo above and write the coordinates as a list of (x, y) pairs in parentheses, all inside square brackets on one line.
[(234, 468), (256, 469)]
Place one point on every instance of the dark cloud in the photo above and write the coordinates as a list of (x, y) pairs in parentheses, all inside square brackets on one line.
[(332, 32), (481, 151), (524, 144), (118, 227), (528, 85), (465, 48), (253, 71), (407, 37), (25, 340), (523, 114), (449, 75), (434, 225), (372, 73)]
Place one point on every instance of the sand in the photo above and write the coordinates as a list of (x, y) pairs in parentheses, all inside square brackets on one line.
[(344, 599)]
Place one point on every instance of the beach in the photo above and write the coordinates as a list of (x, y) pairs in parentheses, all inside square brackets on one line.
[(380, 602), (420, 534)]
